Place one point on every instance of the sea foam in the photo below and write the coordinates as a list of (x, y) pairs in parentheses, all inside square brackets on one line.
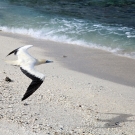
[(52, 37)]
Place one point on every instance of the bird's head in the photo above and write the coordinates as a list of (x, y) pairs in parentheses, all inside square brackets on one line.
[(48, 61), (43, 61)]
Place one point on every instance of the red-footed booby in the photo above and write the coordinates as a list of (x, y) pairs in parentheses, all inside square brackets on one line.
[(27, 63)]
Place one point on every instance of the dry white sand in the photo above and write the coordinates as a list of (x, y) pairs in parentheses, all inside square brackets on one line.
[(67, 103)]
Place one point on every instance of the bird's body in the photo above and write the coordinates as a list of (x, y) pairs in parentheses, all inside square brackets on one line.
[(27, 63)]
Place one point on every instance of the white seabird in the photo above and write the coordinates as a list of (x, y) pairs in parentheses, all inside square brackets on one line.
[(27, 63)]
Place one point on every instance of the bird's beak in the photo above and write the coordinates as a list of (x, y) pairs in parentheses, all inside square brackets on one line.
[(48, 61)]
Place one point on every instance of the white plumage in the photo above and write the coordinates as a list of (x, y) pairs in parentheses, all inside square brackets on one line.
[(27, 63)]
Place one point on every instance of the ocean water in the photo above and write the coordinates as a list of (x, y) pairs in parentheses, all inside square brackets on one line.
[(79, 23)]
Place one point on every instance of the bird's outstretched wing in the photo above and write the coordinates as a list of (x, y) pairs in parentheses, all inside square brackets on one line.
[(35, 84), (22, 49)]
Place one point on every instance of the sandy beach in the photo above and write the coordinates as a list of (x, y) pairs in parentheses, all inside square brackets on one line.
[(86, 91)]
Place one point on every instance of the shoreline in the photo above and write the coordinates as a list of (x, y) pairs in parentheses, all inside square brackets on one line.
[(68, 102), (98, 63)]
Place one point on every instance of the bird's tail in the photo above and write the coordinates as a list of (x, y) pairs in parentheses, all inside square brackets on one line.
[(15, 63)]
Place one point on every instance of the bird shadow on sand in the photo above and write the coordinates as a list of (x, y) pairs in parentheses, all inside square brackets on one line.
[(117, 120)]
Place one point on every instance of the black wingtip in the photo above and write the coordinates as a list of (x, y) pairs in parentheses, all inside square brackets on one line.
[(23, 99), (8, 54), (14, 51)]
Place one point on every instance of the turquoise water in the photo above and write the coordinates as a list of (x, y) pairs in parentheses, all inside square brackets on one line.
[(66, 27)]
